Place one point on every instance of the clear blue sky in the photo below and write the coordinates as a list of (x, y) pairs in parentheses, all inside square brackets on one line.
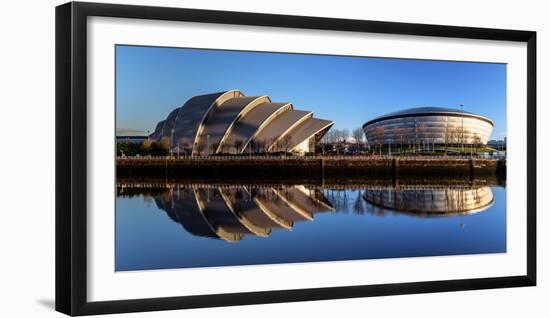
[(152, 81)]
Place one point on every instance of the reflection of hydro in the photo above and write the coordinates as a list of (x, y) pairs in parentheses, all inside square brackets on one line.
[(432, 201), (229, 122), (231, 213)]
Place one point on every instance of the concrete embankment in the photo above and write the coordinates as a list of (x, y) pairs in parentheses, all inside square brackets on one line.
[(309, 167)]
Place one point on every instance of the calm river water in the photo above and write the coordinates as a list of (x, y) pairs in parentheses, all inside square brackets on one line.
[(182, 225)]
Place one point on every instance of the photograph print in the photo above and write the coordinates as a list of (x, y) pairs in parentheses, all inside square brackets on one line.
[(242, 158)]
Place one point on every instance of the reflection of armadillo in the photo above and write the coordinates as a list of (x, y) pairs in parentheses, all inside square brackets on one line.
[(231, 212)]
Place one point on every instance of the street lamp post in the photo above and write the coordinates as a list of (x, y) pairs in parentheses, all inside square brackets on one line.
[(462, 139), (415, 137), (171, 141), (208, 144)]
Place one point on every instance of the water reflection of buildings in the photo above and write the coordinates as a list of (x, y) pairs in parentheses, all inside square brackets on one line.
[(230, 213), (431, 201)]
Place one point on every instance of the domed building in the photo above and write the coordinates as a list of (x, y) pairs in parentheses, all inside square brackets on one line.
[(429, 125), (230, 122)]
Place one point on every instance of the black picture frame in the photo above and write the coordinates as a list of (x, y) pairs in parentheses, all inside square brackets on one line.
[(71, 157)]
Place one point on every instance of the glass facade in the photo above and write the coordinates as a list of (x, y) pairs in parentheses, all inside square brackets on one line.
[(452, 128)]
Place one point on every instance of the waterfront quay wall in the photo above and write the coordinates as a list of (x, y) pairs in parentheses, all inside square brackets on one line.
[(390, 167)]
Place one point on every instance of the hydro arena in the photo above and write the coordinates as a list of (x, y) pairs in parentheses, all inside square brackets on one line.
[(429, 126)]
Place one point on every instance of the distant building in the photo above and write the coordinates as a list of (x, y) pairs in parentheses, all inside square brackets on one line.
[(129, 135), (430, 125), (230, 122), (497, 144)]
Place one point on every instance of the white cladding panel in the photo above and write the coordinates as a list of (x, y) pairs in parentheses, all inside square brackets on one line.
[(437, 129)]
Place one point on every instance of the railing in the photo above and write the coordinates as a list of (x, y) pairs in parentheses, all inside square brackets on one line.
[(307, 158), (362, 186)]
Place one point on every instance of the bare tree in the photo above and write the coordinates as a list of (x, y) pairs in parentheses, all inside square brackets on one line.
[(333, 135), (260, 146), (460, 135), (252, 145), (380, 133), (448, 138), (452, 135), (336, 133), (357, 134), (345, 135), (285, 142), (477, 141)]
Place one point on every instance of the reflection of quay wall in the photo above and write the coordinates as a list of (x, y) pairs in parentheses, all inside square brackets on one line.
[(432, 200), (243, 167), (139, 185), (233, 212)]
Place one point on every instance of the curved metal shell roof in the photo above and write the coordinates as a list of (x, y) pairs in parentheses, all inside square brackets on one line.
[(184, 123), (309, 127), (224, 121), (427, 111), (253, 121), (158, 130), (280, 125)]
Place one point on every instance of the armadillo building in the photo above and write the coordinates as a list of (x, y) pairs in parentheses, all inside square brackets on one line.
[(428, 125), (230, 122)]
